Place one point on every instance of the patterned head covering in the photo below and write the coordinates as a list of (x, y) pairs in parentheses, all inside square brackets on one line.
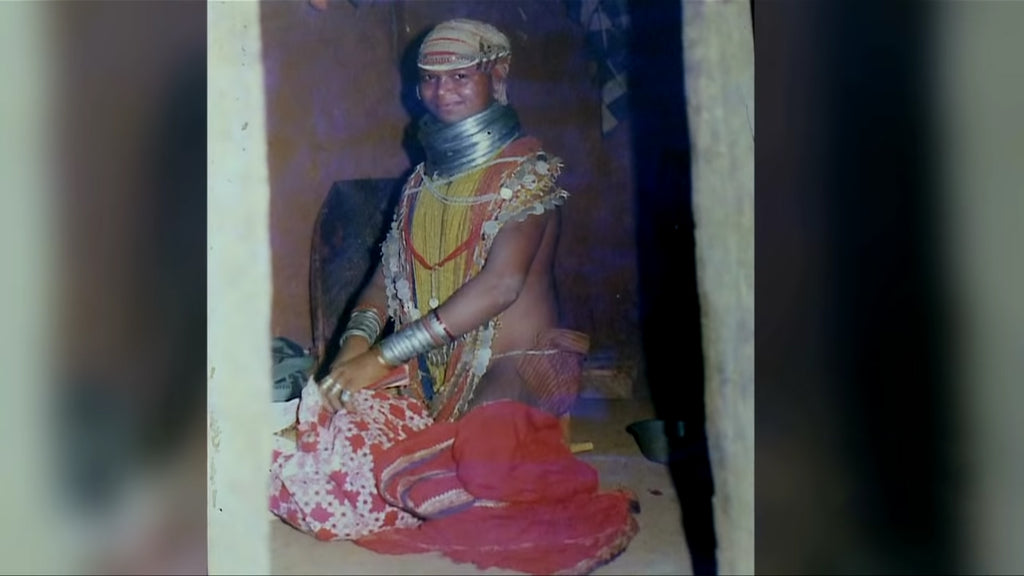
[(462, 42), (459, 43)]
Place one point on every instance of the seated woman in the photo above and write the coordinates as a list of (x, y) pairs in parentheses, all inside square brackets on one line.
[(467, 269), (466, 275)]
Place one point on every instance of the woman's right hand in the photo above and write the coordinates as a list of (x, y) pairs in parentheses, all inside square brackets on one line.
[(353, 347), (349, 377)]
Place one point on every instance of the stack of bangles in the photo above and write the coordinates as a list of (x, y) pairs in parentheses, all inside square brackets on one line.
[(423, 335), (365, 321)]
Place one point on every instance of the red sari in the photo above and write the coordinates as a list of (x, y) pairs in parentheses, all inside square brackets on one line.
[(323, 484), (497, 488)]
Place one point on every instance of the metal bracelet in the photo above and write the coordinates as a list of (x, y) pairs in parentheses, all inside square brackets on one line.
[(355, 332), (364, 322), (418, 337)]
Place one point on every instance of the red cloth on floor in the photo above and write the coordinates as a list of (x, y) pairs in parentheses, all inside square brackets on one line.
[(324, 483), (500, 489)]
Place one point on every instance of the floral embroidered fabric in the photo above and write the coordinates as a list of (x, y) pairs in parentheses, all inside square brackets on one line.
[(323, 483)]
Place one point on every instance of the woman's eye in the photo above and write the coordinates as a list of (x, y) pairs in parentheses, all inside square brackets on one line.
[(460, 76)]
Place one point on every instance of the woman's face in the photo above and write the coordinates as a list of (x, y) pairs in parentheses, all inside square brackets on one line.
[(454, 95)]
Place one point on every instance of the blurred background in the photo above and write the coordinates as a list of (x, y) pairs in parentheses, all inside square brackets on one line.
[(111, 288), (889, 321)]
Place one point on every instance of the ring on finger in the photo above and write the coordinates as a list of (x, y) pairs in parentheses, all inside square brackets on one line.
[(331, 387), (346, 395)]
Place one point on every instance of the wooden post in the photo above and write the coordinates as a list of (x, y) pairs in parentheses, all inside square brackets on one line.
[(718, 53)]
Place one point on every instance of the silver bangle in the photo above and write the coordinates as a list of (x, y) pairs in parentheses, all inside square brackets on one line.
[(365, 323), (355, 332), (421, 336)]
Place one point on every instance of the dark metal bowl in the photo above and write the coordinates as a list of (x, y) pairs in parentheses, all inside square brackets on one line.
[(652, 436)]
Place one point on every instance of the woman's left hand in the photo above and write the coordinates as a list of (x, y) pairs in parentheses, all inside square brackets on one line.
[(347, 378)]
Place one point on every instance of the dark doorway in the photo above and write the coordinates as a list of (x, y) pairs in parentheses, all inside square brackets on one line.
[(668, 301)]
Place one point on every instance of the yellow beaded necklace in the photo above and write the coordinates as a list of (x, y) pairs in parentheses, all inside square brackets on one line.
[(442, 225)]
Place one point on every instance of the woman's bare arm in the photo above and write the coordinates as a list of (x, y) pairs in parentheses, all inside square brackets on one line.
[(373, 295), (498, 284)]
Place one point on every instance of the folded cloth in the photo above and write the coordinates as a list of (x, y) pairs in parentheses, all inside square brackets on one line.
[(499, 488), (323, 482), (553, 377)]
